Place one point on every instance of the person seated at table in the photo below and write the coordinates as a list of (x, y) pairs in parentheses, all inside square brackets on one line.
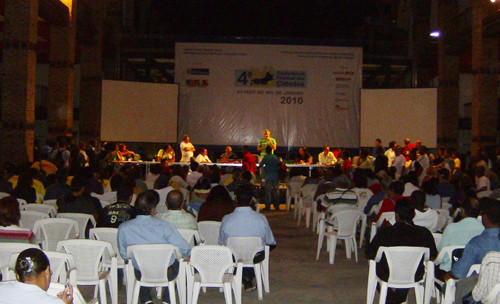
[(228, 156), (304, 158), (203, 158), (326, 158), (127, 154), (167, 153), (33, 280), (10, 215)]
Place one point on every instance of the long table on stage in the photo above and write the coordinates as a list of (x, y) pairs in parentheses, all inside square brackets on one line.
[(149, 163)]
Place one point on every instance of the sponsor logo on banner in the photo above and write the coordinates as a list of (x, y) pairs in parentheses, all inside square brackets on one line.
[(268, 77), (199, 72), (201, 83)]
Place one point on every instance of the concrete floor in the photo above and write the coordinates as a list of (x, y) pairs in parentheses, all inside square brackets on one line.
[(296, 276)]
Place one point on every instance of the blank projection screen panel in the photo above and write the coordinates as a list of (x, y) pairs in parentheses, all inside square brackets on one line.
[(395, 114), (139, 112)]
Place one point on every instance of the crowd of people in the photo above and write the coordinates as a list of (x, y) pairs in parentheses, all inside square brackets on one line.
[(406, 179)]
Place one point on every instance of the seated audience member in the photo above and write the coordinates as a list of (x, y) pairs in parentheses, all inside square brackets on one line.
[(304, 158), (5, 185), (462, 232), (115, 182), (152, 175), (134, 176), (225, 175), (445, 188), (326, 158), (196, 172), (217, 204), (178, 179), (424, 216), (432, 198), (482, 182), (24, 188), (214, 175), (393, 194), (33, 279), (249, 161), (477, 248), (488, 278), (361, 189), (228, 156), (202, 157), (381, 160), (390, 153), (175, 214), (403, 233), (145, 229), (411, 183), (314, 178), (10, 215), (79, 201), (340, 196), (60, 188), (373, 205), (120, 211), (199, 193), (166, 153), (244, 222)]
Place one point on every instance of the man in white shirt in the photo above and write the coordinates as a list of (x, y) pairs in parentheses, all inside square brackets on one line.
[(187, 149), (398, 162), (202, 158), (390, 153), (482, 182), (326, 158)]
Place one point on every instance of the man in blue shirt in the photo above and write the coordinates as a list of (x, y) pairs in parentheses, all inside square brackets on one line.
[(244, 222), (478, 247), (270, 163), (145, 229)]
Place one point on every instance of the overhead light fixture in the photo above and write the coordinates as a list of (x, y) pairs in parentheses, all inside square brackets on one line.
[(435, 34)]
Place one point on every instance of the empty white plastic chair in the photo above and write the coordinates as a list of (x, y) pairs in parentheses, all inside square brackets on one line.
[(29, 218), (209, 232), (4, 194), (191, 236), (154, 274), (8, 249), (292, 191), (403, 263), (244, 250), (50, 210), (63, 267), (213, 266), (89, 256), (51, 202), (82, 219), (51, 231), (306, 202), (341, 226)]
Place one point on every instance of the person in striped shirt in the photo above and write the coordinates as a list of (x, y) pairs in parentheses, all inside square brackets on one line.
[(9, 222)]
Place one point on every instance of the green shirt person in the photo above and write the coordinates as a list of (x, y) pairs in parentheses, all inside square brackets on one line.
[(266, 141)]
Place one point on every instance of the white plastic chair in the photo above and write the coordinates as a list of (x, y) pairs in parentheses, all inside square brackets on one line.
[(445, 202), (341, 226), (51, 231), (28, 218), (50, 210), (485, 193), (403, 263), (437, 237), (388, 216), (55, 288), (4, 194), (8, 249), (292, 191), (244, 250), (82, 219), (444, 254), (209, 232), (451, 285), (51, 202), (190, 235), (306, 202), (89, 256), (213, 266), (63, 267), (154, 274), (22, 203), (443, 220)]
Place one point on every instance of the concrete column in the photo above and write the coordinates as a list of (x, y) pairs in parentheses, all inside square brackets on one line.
[(61, 78), (448, 90), (89, 121), (484, 83), (18, 81)]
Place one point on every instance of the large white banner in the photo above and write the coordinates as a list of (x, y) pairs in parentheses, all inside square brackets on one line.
[(306, 95)]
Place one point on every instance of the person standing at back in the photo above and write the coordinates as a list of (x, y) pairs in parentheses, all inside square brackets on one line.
[(270, 164), (187, 149), (266, 141)]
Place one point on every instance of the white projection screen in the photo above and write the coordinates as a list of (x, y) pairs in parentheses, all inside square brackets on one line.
[(394, 114), (139, 112), (305, 95)]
